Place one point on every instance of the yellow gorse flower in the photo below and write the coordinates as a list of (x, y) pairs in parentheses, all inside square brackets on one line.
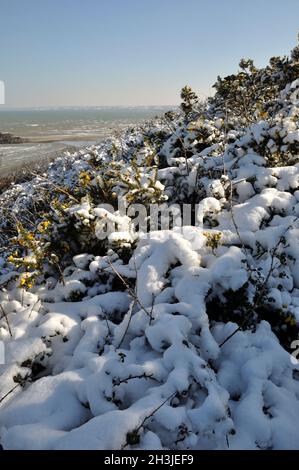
[(213, 239), (26, 281), (291, 320), (43, 226), (84, 178)]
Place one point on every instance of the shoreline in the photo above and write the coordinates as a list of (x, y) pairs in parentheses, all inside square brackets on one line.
[(38, 152), (17, 169)]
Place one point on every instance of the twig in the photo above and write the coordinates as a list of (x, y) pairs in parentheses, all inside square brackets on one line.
[(33, 308), (131, 377), (8, 393), (6, 319), (128, 323), (130, 290), (235, 224), (155, 410), (150, 415), (152, 308), (58, 188)]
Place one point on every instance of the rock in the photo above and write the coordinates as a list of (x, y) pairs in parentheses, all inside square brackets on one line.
[(6, 138)]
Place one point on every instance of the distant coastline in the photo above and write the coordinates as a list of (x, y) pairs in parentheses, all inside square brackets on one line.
[(32, 136)]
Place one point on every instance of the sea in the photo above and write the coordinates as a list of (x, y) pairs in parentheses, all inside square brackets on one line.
[(53, 131)]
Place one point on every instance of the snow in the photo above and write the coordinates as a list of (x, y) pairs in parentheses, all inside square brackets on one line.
[(178, 339)]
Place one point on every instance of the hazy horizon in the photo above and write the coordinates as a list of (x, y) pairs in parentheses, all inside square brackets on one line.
[(74, 107), (70, 53)]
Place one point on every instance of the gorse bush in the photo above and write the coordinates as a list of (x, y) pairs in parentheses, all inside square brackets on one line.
[(249, 95), (252, 95), (169, 339), (189, 100)]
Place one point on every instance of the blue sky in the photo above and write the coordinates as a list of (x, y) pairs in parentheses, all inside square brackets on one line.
[(133, 52)]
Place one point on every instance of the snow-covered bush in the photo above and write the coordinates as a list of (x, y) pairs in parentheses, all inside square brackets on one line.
[(182, 339)]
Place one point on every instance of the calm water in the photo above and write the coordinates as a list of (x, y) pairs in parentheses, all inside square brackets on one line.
[(53, 131)]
